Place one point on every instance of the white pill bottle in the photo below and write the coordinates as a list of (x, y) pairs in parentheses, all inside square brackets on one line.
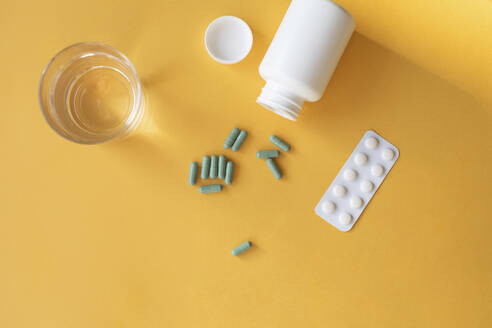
[(303, 55)]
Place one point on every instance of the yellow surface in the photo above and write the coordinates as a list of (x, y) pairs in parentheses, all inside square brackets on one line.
[(450, 38), (112, 236)]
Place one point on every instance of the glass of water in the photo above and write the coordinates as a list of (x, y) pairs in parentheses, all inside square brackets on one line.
[(90, 93)]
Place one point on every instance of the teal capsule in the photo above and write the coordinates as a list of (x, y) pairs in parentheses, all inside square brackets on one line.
[(205, 167), (214, 166), (193, 173), (268, 153), (222, 166), (231, 138), (241, 248), (239, 141), (274, 168), (229, 172), (207, 189), (279, 143)]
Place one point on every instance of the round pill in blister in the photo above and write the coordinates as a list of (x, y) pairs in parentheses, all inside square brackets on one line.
[(350, 174), (377, 170), (366, 186), (388, 154), (344, 218), (371, 143), (328, 207), (339, 191), (360, 159), (356, 202)]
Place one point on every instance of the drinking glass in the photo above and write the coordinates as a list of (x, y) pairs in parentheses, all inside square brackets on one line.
[(90, 93)]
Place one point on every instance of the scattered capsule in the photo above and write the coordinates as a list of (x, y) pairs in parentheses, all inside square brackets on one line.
[(268, 153), (207, 189), (239, 141), (214, 166), (241, 248), (222, 167), (205, 167), (279, 143), (229, 172), (231, 138), (274, 168), (193, 173)]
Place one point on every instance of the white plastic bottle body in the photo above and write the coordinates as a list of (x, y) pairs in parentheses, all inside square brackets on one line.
[(303, 55)]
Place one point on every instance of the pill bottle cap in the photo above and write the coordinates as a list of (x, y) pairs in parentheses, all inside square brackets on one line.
[(228, 39)]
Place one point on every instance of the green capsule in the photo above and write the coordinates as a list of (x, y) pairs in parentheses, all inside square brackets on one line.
[(241, 248), (222, 166), (214, 166), (274, 168), (205, 167), (193, 173), (207, 189), (239, 141), (231, 138), (229, 172), (279, 143), (268, 153)]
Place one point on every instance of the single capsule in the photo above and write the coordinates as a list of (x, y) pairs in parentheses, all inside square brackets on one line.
[(273, 153), (214, 166), (229, 172), (231, 138), (274, 168), (208, 189), (239, 141), (279, 143), (205, 167), (193, 173), (241, 248), (222, 167)]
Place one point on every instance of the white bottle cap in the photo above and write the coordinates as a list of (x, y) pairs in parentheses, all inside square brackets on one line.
[(228, 39)]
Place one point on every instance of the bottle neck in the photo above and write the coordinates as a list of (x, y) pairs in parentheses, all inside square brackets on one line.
[(280, 100)]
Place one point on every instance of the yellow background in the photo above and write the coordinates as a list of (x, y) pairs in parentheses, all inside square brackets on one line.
[(112, 235)]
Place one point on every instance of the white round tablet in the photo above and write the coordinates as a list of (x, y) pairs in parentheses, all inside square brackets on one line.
[(388, 154), (339, 191), (345, 219), (371, 143), (360, 159), (328, 207), (228, 39), (366, 186), (377, 170), (356, 202), (350, 174)]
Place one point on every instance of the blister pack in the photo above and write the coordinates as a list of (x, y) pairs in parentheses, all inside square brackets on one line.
[(357, 182)]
